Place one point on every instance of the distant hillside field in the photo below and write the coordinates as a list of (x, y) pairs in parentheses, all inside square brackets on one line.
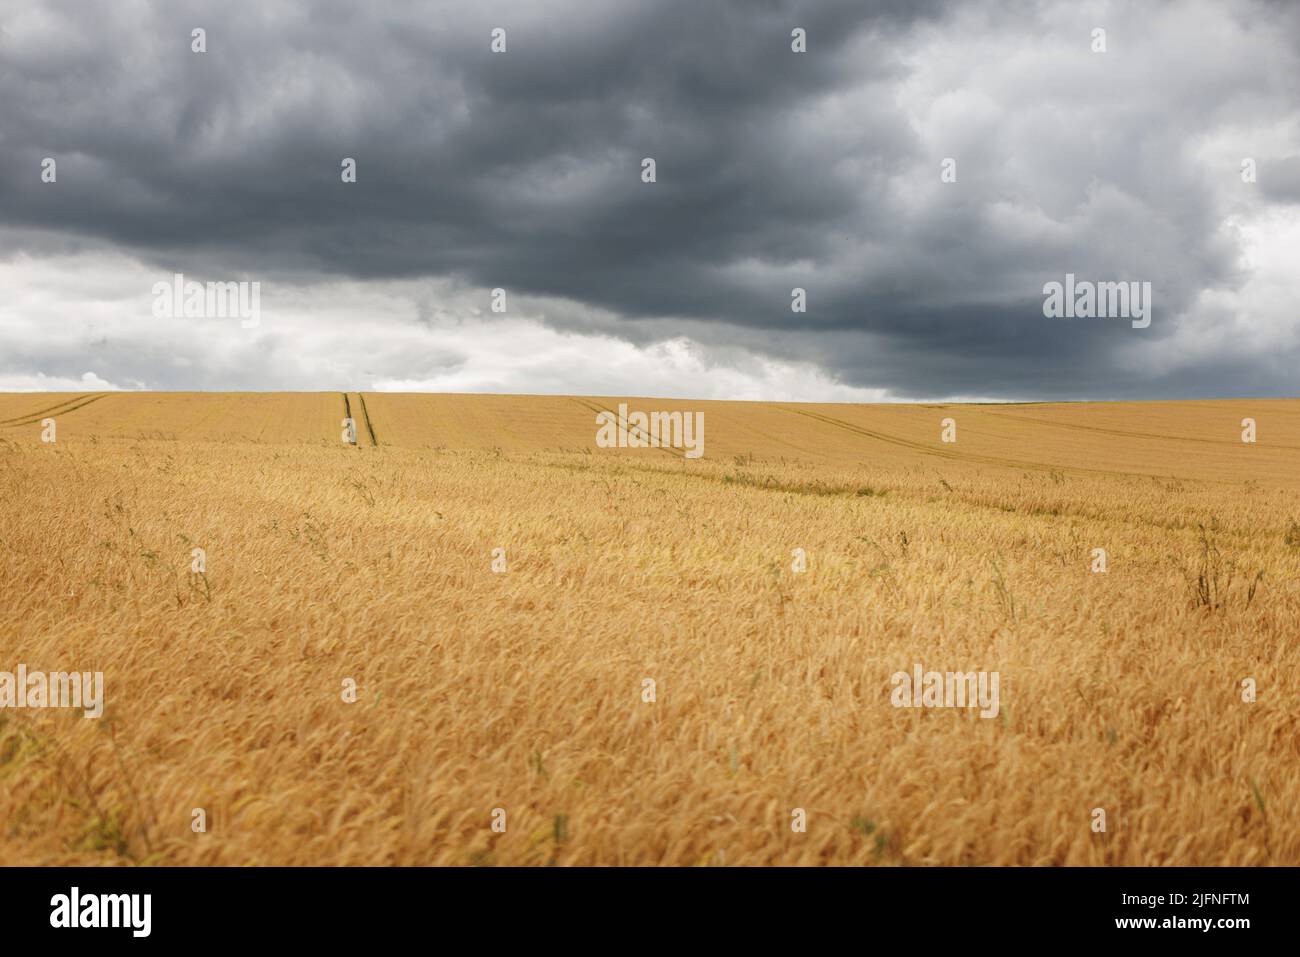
[(474, 636)]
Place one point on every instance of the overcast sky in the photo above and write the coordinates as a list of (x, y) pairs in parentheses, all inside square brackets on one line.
[(774, 169)]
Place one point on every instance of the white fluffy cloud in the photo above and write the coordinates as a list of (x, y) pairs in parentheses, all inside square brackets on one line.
[(91, 306)]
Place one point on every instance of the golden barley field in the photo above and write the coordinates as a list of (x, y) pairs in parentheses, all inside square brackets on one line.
[(331, 566)]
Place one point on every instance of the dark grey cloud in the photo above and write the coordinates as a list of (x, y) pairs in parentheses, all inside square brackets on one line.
[(1280, 179), (818, 170)]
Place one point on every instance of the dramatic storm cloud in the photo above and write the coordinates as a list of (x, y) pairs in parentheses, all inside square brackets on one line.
[(1165, 151)]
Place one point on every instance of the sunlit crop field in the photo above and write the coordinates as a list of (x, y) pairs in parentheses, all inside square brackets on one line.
[(499, 591)]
